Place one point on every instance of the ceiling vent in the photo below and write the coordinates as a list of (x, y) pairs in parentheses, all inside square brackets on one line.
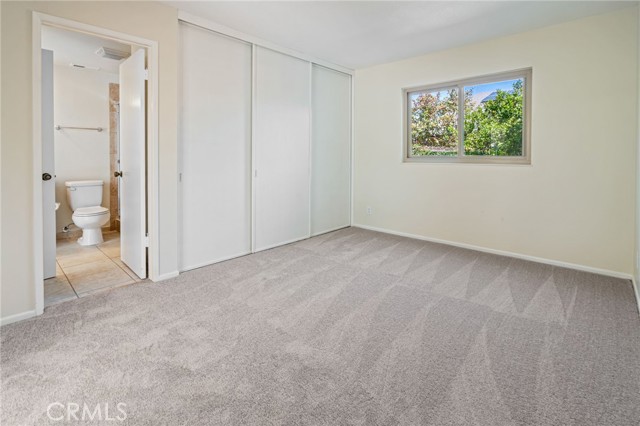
[(84, 67), (107, 52)]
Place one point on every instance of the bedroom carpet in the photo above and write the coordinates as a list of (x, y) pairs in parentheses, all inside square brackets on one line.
[(349, 328)]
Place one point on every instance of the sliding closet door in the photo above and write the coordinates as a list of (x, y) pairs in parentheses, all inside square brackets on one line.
[(216, 147), (330, 150), (281, 149)]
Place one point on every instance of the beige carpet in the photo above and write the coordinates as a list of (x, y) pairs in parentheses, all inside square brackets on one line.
[(352, 327)]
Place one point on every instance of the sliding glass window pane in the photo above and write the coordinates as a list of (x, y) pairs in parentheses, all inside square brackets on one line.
[(434, 122), (493, 118)]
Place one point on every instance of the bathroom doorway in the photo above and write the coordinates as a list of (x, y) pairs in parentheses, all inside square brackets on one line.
[(81, 122)]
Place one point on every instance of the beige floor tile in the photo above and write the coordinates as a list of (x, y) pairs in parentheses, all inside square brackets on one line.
[(96, 275), (126, 269), (110, 248), (67, 243), (57, 290), (68, 247), (100, 290), (94, 268), (80, 256)]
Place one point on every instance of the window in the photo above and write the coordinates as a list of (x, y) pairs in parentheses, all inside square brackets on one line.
[(478, 120)]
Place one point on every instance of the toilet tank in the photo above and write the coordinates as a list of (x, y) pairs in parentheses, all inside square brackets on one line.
[(84, 193)]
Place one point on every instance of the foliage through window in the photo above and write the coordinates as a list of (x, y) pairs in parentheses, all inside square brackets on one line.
[(476, 120)]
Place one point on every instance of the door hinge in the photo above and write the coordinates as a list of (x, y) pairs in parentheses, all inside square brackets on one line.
[(146, 240), (146, 74)]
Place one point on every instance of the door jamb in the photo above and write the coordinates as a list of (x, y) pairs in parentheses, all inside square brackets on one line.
[(152, 166)]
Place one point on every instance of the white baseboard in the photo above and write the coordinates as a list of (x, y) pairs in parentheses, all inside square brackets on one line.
[(166, 276), (637, 292), (330, 230), (17, 317), (575, 266), (235, 256), (284, 243), (213, 262)]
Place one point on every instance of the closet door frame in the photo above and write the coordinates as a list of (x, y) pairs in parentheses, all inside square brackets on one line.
[(255, 43)]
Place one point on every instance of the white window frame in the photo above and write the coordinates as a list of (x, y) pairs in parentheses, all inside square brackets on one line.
[(525, 158)]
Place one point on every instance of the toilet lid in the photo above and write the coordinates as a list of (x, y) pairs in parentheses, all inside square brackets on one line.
[(91, 211)]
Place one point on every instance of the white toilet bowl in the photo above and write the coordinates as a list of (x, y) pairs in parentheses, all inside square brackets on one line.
[(84, 198), (91, 220)]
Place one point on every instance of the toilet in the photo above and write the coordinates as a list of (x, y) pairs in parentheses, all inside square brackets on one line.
[(85, 197)]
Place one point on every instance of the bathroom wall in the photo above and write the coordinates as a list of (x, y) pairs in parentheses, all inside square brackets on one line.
[(81, 98)]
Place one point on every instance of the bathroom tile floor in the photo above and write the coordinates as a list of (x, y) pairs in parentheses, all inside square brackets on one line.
[(81, 270)]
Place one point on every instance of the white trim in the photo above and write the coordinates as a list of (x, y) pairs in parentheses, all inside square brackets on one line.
[(17, 317), (254, 170), (284, 243), (552, 262), (213, 262), (352, 142), (38, 20), (69, 24), (219, 28), (636, 291), (180, 152), (153, 161), (38, 217), (310, 151), (326, 231), (166, 276)]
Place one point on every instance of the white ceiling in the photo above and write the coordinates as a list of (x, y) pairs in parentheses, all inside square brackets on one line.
[(78, 48), (357, 34)]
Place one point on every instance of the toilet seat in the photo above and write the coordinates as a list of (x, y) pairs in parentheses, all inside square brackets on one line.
[(91, 211)]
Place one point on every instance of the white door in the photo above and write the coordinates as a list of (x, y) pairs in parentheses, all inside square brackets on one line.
[(330, 150), (215, 130), (48, 168), (133, 220), (281, 150)]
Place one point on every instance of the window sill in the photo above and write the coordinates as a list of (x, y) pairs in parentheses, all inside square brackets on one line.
[(522, 161)]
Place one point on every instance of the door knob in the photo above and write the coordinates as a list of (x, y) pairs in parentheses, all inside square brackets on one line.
[(46, 176), (117, 174)]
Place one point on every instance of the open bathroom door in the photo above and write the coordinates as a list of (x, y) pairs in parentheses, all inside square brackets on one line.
[(48, 169), (133, 214)]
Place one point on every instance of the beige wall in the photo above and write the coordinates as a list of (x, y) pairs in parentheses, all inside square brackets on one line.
[(143, 19), (575, 203)]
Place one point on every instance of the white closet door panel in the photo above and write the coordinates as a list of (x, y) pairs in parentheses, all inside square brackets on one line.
[(331, 150), (216, 147), (281, 149)]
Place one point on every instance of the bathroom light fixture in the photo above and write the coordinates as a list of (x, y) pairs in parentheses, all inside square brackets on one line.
[(109, 53)]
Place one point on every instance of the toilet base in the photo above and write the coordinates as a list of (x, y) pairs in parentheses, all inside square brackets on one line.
[(91, 237)]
